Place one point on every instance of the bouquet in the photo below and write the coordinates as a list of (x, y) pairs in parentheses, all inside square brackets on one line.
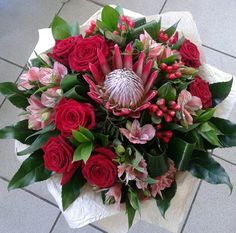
[(121, 109)]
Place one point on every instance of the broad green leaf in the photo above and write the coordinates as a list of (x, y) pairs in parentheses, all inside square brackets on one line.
[(48, 128), (155, 119), (180, 128), (38, 143), (76, 93), (178, 44), (220, 91), (101, 25), (137, 159), (19, 131), (116, 38), (139, 22), (80, 137), (119, 9), (60, 28), (134, 200), (101, 139), (169, 60), (225, 126), (205, 115), (72, 189), (163, 202), (15, 96), (83, 151), (87, 133), (74, 30), (32, 170), (130, 211), (68, 82), (167, 91), (204, 167), (110, 17), (171, 30)]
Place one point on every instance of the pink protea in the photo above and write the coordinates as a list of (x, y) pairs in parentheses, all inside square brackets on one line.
[(189, 105), (38, 115), (137, 134), (132, 174), (164, 181), (125, 89)]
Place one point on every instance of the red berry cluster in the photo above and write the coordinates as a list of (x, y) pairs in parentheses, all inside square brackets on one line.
[(163, 37), (124, 25), (91, 28), (173, 70), (165, 135)]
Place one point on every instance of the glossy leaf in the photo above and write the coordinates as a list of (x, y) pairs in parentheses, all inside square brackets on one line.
[(74, 30), (225, 126), (220, 91), (110, 17), (167, 91), (72, 189), (178, 44), (130, 211), (76, 94), (119, 9), (83, 135), (171, 30), (83, 151), (48, 128), (139, 22), (116, 38), (68, 82), (60, 28), (101, 139), (134, 200), (204, 167), (163, 202), (32, 170), (205, 115)]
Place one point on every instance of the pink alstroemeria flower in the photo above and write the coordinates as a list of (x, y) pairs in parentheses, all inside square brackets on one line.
[(189, 105), (28, 78), (114, 192), (38, 115), (154, 49), (137, 134), (52, 76), (132, 174), (50, 96)]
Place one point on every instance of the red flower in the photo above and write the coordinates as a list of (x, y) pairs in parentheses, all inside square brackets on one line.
[(200, 88), (58, 156), (71, 114), (63, 49), (85, 52), (100, 170), (190, 54)]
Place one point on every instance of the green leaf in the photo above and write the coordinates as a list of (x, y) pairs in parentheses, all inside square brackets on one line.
[(220, 91), (83, 151), (76, 93), (156, 164), (38, 143), (155, 119), (116, 38), (119, 9), (205, 115), (83, 136), (48, 128), (101, 139), (181, 152), (203, 166), (71, 190), (134, 200), (101, 25), (68, 82), (60, 28), (180, 128), (130, 211), (170, 60), (171, 30), (163, 202), (20, 132), (139, 22), (110, 17), (225, 126), (87, 133), (178, 44), (74, 30), (15, 96), (32, 170), (167, 91)]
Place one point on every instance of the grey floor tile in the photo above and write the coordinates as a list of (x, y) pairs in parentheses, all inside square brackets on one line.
[(214, 210), (216, 21), (63, 227), (20, 21), (220, 61), (22, 212), (8, 73), (148, 7), (78, 11)]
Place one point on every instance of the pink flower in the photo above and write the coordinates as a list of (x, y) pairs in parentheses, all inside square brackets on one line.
[(133, 174), (154, 49), (49, 97), (52, 76), (189, 105), (28, 78), (115, 193), (164, 181), (38, 116), (137, 134)]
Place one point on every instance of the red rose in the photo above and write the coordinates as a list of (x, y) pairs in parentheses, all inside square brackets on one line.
[(100, 170), (85, 52), (200, 88), (58, 156), (190, 54), (63, 49), (70, 114)]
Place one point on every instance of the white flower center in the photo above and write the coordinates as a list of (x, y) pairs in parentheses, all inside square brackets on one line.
[(124, 88)]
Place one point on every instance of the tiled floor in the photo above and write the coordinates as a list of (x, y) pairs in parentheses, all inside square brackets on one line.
[(32, 210)]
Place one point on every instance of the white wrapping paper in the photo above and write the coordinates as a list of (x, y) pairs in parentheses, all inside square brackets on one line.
[(88, 208)]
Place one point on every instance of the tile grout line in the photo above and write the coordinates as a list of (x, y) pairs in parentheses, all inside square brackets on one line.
[(98, 228), (55, 223), (227, 161), (190, 209), (11, 62), (95, 2), (163, 6)]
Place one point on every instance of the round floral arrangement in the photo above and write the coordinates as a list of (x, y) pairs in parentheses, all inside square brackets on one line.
[(120, 108)]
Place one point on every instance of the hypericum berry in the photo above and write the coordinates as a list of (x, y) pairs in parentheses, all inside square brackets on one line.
[(168, 118), (168, 133), (169, 69), (131, 24), (159, 113), (153, 108), (175, 66), (159, 134), (116, 33), (88, 32), (163, 66), (166, 139), (161, 102), (171, 113), (171, 76), (178, 74), (177, 107), (165, 37), (172, 103), (123, 28), (164, 109), (158, 126), (123, 18)]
